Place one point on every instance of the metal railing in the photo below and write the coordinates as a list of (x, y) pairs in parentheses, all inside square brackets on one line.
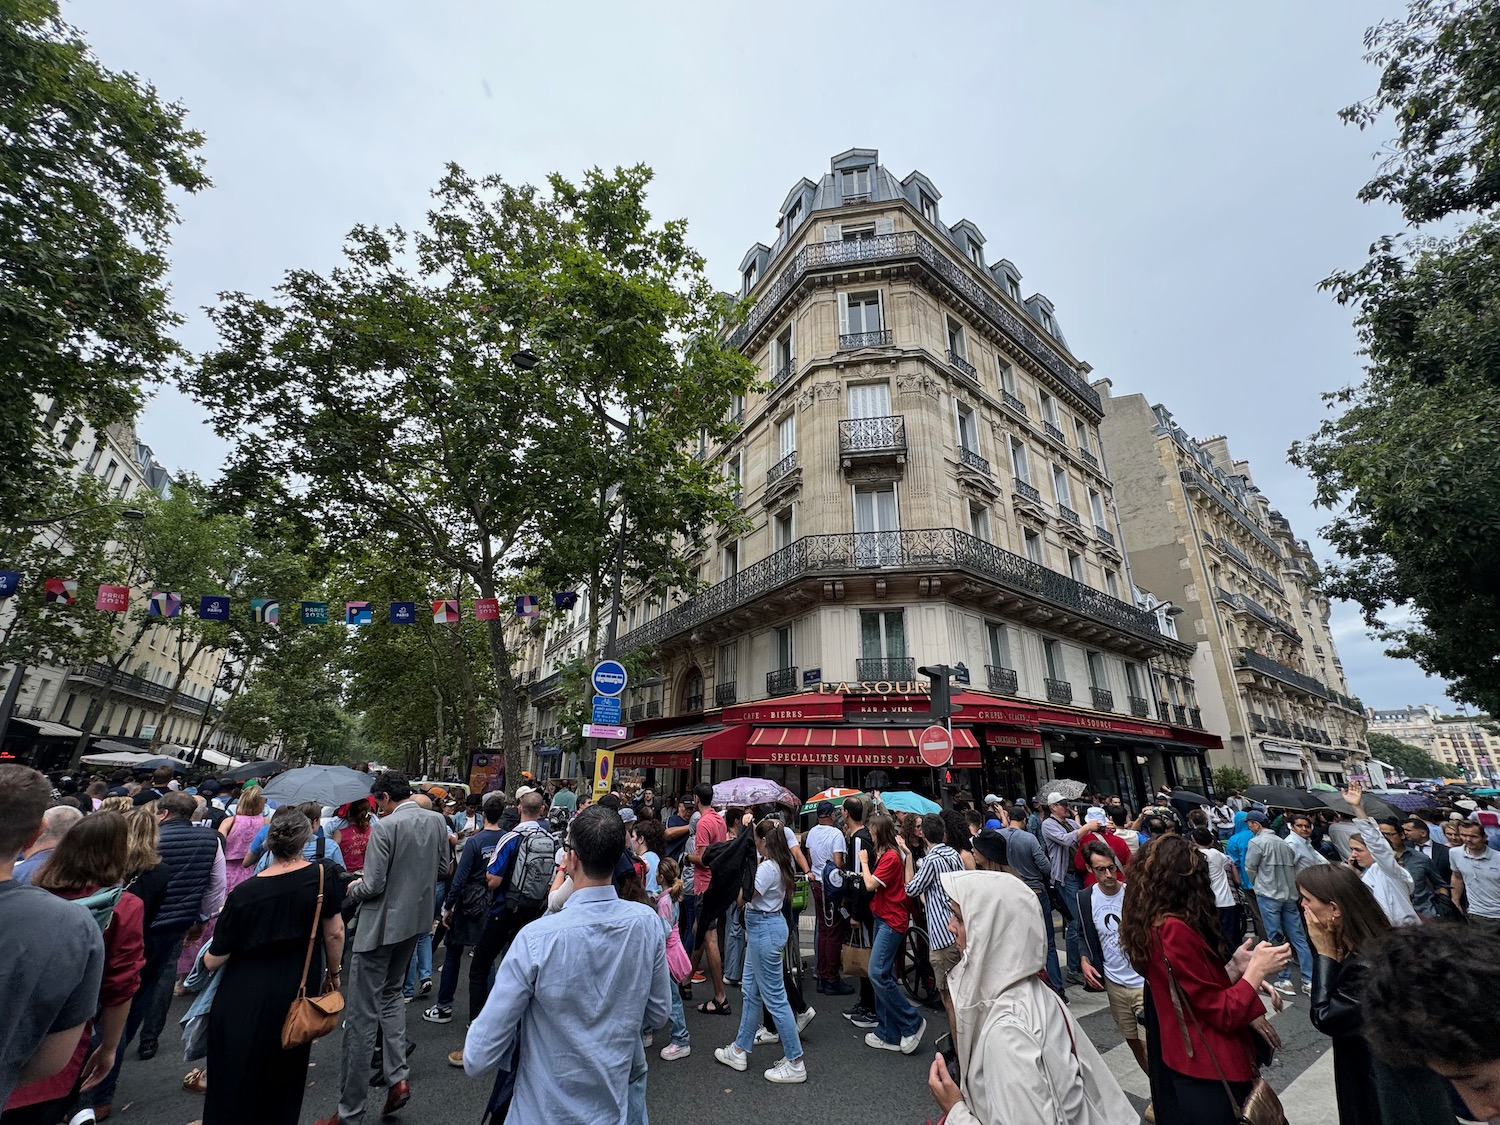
[(872, 435), (1104, 536), (1269, 579), (692, 703), (637, 712), (1069, 515), (1195, 718), (974, 461), (1195, 479), (1236, 554), (546, 685), (909, 244), (962, 366), (784, 372), (1246, 604), (1258, 723), (781, 468), (1104, 699), (1089, 459), (1013, 402), (1003, 681), (1249, 658), (1163, 711), (851, 341), (817, 555), (131, 684), (781, 681), (724, 694), (885, 668), (1058, 691), (1179, 714), (1139, 706), (653, 708), (1025, 490), (1053, 431)]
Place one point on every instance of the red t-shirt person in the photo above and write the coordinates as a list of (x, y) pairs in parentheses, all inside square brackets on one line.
[(1116, 845), (889, 902)]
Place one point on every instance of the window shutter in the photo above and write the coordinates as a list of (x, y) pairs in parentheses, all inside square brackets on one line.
[(833, 232), (843, 314), (886, 225)]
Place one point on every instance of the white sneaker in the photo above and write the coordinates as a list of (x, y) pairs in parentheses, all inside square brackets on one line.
[(787, 1071), (732, 1057), (762, 1037), (1307, 990), (674, 1051), (648, 1038), (910, 1043), (1285, 987), (804, 1019), (873, 1040)]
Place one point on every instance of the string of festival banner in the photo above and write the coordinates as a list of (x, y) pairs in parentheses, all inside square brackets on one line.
[(267, 611)]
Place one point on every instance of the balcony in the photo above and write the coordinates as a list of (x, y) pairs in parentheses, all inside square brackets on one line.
[(1140, 707), (1163, 711), (784, 373), (637, 712), (1254, 661), (1269, 579), (1058, 691), (1224, 497), (692, 704), (1179, 714), (823, 557), (128, 684), (910, 246), (1236, 554), (724, 694), (1243, 603), (1089, 459), (1258, 723), (1010, 400), (1026, 491), (872, 438), (1105, 537), (653, 708), (779, 470), (963, 367), (783, 681), (1003, 681), (546, 686), (1053, 431), (885, 668), (1104, 699), (853, 341), (971, 460), (1069, 516)]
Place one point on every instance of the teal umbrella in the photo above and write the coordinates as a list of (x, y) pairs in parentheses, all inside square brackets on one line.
[(908, 802)]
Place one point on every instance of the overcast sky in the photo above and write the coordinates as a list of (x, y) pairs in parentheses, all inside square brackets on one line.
[(1173, 176)]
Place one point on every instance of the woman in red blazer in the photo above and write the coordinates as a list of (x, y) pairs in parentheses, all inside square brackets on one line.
[(1170, 917)]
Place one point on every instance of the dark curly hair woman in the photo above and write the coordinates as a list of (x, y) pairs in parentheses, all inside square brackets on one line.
[(1170, 932)]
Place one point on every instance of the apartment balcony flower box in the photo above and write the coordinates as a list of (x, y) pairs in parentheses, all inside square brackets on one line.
[(853, 341), (1139, 707), (1058, 691), (872, 439), (1104, 699), (971, 460), (886, 668), (724, 694), (1003, 681), (963, 367), (783, 681)]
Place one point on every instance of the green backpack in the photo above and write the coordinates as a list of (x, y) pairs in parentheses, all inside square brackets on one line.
[(101, 904)]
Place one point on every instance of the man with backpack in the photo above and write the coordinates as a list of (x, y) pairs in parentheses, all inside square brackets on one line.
[(856, 906), (466, 906), (519, 875)]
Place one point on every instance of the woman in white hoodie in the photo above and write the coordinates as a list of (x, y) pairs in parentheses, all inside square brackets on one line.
[(1021, 1055)]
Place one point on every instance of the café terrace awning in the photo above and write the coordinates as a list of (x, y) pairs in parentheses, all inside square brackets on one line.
[(851, 746)]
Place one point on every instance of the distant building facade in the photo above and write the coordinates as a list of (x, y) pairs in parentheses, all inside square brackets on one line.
[(1467, 743)]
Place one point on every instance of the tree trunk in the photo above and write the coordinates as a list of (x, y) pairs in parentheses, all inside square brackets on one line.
[(508, 697), (96, 705), (176, 689)]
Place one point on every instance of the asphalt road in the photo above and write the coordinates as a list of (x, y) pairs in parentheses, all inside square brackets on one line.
[(844, 1076)]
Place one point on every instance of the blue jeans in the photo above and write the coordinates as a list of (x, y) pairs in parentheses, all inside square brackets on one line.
[(734, 943), (1072, 884), (1284, 923), (762, 983), (1054, 973), (678, 1022), (420, 967), (687, 918), (895, 1017)]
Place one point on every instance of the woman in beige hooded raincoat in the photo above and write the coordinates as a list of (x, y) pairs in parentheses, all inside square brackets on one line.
[(1021, 1054)]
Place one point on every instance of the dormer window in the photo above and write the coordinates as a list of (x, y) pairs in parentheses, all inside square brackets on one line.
[(852, 233), (1047, 322), (856, 182), (929, 207), (1013, 287), (751, 273), (794, 216), (976, 254)]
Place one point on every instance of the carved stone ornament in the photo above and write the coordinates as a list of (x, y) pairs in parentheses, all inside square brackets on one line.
[(818, 392), (872, 474), (920, 383)]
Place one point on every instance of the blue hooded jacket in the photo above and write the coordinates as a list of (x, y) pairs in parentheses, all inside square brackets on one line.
[(1236, 845)]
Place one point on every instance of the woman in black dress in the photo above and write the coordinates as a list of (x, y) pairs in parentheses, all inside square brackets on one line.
[(261, 941)]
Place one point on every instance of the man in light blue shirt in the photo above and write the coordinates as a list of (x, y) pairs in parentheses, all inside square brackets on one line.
[(580, 1063)]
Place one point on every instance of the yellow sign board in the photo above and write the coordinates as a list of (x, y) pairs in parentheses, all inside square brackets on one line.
[(604, 772)]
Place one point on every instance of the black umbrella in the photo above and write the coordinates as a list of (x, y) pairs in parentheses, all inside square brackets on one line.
[(1373, 806), (328, 785), (254, 769), (1285, 797), (156, 763)]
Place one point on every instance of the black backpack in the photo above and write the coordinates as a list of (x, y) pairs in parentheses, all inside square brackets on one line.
[(856, 898), (531, 872)]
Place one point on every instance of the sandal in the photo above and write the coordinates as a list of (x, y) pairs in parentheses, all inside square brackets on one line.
[(195, 1081), (715, 1007)]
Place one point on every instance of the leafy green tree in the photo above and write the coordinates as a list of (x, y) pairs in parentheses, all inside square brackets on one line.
[(388, 388), (1230, 779), (1411, 760), (1410, 463), (88, 166)]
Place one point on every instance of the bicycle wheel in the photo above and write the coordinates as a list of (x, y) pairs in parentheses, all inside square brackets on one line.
[(914, 969)]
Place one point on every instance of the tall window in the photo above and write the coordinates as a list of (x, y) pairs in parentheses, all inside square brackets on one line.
[(781, 530), (929, 207), (979, 522), (1049, 407), (1075, 566), (875, 524), (1097, 676), (1033, 543), (851, 232), (968, 429), (786, 436), (856, 181), (1056, 669), (1013, 287), (882, 634), (956, 343), (976, 254), (1111, 583), (751, 273), (731, 560), (793, 217), (785, 657), (1060, 486), (109, 473), (1081, 433), (869, 400), (736, 408), (1018, 461), (781, 353), (998, 637), (728, 662), (1133, 680), (735, 467), (1007, 378), (861, 313), (1096, 508)]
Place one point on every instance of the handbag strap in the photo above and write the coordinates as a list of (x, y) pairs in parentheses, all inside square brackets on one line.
[(1179, 1002), (311, 937)]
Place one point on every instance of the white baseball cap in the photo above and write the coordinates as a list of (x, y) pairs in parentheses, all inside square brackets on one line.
[(991, 799), (523, 790), (1056, 799)]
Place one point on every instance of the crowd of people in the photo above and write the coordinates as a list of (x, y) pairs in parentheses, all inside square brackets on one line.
[(1190, 917)]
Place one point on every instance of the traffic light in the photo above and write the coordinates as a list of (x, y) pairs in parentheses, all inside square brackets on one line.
[(939, 677)]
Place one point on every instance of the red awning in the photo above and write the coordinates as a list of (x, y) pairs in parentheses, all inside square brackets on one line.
[(673, 752), (851, 746)]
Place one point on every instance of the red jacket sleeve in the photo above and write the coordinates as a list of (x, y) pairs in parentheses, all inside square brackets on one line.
[(124, 953), (1221, 1006)]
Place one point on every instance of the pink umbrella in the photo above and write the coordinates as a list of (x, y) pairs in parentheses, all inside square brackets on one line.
[(753, 791)]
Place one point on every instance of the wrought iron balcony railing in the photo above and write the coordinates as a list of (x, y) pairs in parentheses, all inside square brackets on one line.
[(1058, 691), (885, 668), (1105, 537), (653, 708), (691, 704), (1163, 711), (962, 366), (872, 435), (1179, 714), (1249, 658), (1053, 431), (784, 372), (1013, 402), (819, 256), (546, 685), (724, 694), (1225, 499), (974, 461), (130, 684), (1089, 459), (1139, 706), (781, 468), (850, 341), (1258, 723), (817, 555), (1104, 699), (1003, 681), (782, 681), (637, 712), (1069, 515), (1236, 554), (1025, 490)]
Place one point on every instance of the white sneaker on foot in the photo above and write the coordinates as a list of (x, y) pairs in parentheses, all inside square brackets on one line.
[(674, 1051), (910, 1043), (804, 1019), (787, 1071), (732, 1057), (873, 1040), (1285, 987), (762, 1037)]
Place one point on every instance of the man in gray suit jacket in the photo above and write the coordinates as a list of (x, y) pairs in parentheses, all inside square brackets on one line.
[(407, 854)]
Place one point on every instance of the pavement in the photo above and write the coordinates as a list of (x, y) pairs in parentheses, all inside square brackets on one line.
[(843, 1074)]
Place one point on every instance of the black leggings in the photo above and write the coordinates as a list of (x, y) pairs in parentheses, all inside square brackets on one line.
[(1202, 1101)]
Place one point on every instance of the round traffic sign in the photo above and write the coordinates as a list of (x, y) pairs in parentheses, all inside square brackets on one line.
[(935, 744), (608, 677)]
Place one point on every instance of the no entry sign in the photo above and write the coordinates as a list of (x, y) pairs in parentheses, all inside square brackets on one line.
[(935, 744)]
